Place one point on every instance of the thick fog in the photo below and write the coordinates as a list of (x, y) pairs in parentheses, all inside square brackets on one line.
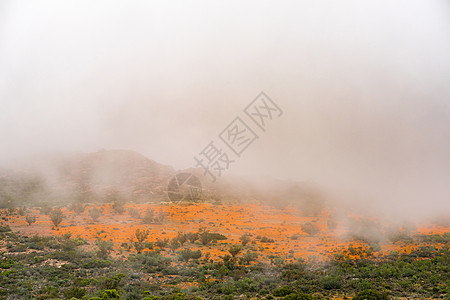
[(364, 88)]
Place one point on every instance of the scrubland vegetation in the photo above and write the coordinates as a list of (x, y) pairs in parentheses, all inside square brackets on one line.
[(123, 241), (58, 264)]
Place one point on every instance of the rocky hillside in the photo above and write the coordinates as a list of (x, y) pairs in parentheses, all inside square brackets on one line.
[(87, 177), (123, 170)]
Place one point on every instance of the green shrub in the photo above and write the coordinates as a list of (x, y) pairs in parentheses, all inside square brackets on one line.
[(248, 257), (152, 261), (5, 228), (6, 264), (331, 283), (110, 294), (161, 243), (95, 214), (8, 272), (299, 296), (48, 292), (235, 250), (206, 237), (265, 239), (74, 292), (283, 291), (96, 263), (180, 296), (370, 295), (56, 215), (181, 238), (30, 220), (192, 236), (187, 254), (174, 244), (104, 248), (245, 239), (80, 282)]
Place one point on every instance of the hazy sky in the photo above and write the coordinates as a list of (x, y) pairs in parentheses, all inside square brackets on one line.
[(364, 86)]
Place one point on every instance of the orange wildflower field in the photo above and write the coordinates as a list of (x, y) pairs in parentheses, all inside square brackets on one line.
[(282, 228)]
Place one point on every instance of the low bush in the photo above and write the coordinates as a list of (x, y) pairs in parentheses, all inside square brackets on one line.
[(370, 295)]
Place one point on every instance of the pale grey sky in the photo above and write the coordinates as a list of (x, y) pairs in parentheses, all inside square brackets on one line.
[(364, 86)]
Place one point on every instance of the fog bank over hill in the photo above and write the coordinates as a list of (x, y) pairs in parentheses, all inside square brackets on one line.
[(363, 88), (124, 176)]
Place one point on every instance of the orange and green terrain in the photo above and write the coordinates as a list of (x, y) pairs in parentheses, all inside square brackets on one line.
[(282, 229), (101, 229), (220, 251)]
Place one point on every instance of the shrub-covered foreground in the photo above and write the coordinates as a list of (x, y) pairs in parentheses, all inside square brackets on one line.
[(41, 267)]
